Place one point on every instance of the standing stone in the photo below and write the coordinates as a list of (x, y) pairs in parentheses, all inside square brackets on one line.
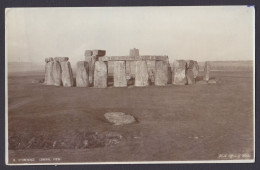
[(141, 74), (194, 66), (57, 73), (120, 74), (190, 77), (82, 74), (206, 71), (91, 63), (169, 74), (161, 73), (49, 80), (100, 74), (133, 67), (190, 72), (128, 68), (66, 74), (179, 72), (151, 70)]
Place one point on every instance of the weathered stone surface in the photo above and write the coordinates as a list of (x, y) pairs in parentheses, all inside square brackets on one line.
[(179, 72), (100, 74), (194, 66), (134, 52), (133, 58), (57, 73), (133, 67), (120, 74), (128, 68), (151, 70), (190, 77), (48, 59), (141, 74), (91, 63), (206, 71), (169, 74), (66, 74), (61, 59), (49, 73), (161, 73), (119, 118), (88, 53), (99, 52), (82, 79)]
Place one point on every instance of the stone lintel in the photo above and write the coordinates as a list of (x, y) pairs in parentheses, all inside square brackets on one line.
[(132, 58)]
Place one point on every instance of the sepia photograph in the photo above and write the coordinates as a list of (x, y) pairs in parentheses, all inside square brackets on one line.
[(130, 85)]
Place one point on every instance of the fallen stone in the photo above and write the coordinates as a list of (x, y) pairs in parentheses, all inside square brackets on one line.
[(119, 118), (206, 71), (82, 79), (179, 72), (100, 74), (88, 53), (161, 73), (99, 52), (120, 74), (49, 73), (141, 74), (57, 73), (66, 74)]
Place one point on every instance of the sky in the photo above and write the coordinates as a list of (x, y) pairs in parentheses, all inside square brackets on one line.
[(208, 33)]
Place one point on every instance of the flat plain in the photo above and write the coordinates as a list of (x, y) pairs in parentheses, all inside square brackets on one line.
[(174, 123)]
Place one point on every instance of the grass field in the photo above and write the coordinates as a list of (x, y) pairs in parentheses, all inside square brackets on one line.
[(174, 123)]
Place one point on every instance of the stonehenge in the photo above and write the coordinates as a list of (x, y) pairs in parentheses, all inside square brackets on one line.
[(97, 70)]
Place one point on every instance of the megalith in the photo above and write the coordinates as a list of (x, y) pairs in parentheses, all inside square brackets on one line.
[(151, 70), (49, 80), (169, 73), (82, 79), (120, 74), (161, 73), (179, 72), (191, 72), (194, 66), (100, 74), (91, 56), (57, 73), (66, 72), (206, 71), (141, 74)]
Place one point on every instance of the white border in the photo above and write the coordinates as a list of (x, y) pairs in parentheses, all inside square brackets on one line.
[(134, 162)]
